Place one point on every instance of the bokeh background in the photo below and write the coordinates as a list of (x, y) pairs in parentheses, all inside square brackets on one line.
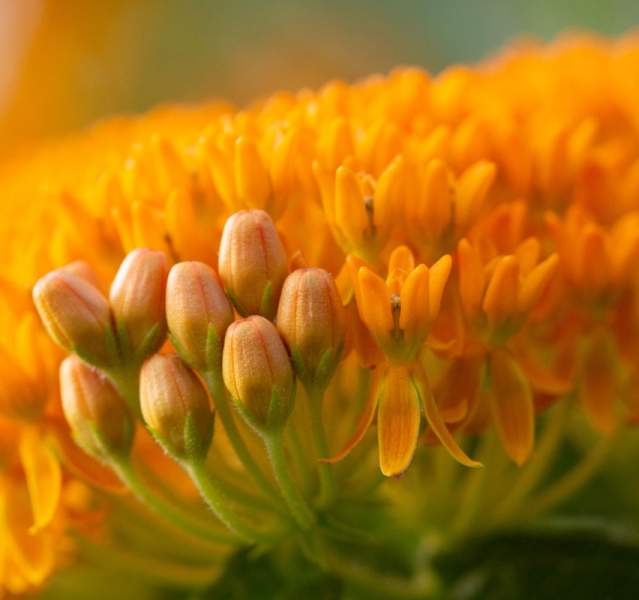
[(66, 63)]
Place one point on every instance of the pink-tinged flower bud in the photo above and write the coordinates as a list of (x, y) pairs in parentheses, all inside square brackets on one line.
[(176, 407), (258, 374), (311, 319), (137, 300), (83, 270), (252, 262), (97, 415), (76, 316), (198, 314)]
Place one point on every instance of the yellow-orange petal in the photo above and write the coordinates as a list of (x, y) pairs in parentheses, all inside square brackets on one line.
[(252, 180), (535, 283), (512, 406), (436, 422), (350, 210), (472, 281), (374, 308), (398, 419), (437, 279), (598, 388), (434, 209), (402, 260), (32, 554), (500, 300), (414, 316), (43, 475), (389, 196), (472, 188), (363, 424)]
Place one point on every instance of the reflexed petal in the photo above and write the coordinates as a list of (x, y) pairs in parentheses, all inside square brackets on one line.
[(398, 419), (598, 389), (32, 554), (512, 406), (437, 423), (363, 424), (43, 475)]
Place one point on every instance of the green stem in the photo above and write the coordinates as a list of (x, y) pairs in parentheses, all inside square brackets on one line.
[(474, 485), (572, 481), (127, 381), (195, 527), (327, 477), (301, 459), (218, 502), (298, 506), (537, 467), (222, 406), (157, 571)]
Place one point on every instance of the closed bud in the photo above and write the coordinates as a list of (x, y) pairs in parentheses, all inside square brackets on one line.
[(310, 318), (198, 313), (137, 299), (176, 407), (98, 417), (258, 374), (76, 316), (252, 262)]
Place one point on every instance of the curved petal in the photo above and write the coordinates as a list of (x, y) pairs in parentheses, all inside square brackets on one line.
[(43, 475), (436, 421), (363, 424), (512, 406), (598, 389), (398, 419)]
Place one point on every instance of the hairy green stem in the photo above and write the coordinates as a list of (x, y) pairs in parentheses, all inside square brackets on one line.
[(219, 502), (222, 406), (298, 506), (165, 510), (327, 477)]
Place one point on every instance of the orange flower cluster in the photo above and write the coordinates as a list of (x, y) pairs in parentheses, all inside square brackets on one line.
[(482, 227)]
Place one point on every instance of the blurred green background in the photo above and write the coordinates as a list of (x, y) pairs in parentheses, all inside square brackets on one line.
[(82, 60)]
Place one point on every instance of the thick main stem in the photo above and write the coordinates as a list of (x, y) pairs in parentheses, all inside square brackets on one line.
[(327, 477), (221, 400), (298, 506), (165, 510)]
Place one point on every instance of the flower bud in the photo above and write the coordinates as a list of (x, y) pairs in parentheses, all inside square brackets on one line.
[(99, 419), (252, 262), (310, 318), (137, 299), (176, 407), (198, 313), (258, 374), (76, 316)]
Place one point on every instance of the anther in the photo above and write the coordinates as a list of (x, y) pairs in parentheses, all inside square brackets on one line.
[(369, 207)]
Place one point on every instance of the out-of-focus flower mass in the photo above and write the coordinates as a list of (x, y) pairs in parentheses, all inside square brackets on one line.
[(446, 260)]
